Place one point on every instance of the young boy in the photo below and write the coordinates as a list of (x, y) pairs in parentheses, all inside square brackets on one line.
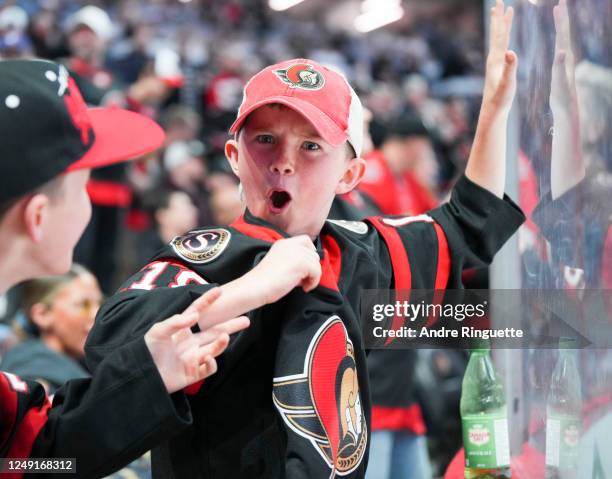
[(50, 141), (297, 143)]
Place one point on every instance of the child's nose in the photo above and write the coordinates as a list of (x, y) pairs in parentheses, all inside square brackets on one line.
[(284, 164)]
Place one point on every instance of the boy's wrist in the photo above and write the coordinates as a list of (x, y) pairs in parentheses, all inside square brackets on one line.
[(492, 118), (492, 112)]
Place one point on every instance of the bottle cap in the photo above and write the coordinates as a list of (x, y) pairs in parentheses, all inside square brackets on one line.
[(480, 344), (567, 343)]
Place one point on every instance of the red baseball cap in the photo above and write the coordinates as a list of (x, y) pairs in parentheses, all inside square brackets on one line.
[(323, 96), (47, 129)]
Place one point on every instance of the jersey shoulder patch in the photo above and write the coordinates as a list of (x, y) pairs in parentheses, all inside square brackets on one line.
[(201, 246), (358, 227)]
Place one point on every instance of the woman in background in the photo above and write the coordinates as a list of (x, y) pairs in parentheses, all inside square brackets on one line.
[(55, 316)]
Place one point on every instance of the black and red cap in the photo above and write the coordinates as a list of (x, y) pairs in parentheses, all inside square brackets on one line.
[(46, 128)]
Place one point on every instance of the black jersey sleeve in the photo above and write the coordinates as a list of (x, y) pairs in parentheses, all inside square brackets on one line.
[(476, 224), (101, 422), (159, 290), (111, 419), (430, 251)]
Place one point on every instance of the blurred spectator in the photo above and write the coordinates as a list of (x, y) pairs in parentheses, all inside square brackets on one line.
[(46, 34), (172, 213), (401, 177), (14, 41), (186, 170), (55, 317), (225, 200), (181, 123), (88, 32)]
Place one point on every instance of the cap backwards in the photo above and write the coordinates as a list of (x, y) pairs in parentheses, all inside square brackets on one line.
[(321, 95), (47, 129)]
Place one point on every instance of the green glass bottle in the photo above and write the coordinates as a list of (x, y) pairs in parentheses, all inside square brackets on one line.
[(563, 416), (484, 418)]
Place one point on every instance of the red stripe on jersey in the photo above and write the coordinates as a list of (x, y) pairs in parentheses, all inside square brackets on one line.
[(442, 271), (256, 231), (331, 264), (399, 257), (27, 431), (398, 418), (444, 261), (400, 264), (8, 406)]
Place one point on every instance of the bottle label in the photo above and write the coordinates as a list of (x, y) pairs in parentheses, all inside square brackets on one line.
[(562, 441), (485, 440)]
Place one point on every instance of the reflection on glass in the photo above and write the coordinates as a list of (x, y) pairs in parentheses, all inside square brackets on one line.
[(563, 417), (565, 168)]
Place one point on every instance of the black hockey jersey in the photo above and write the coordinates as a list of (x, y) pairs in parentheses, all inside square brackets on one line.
[(291, 397)]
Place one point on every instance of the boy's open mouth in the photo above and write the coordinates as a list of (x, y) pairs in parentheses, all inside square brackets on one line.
[(279, 199)]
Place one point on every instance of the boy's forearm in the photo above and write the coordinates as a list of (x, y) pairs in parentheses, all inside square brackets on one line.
[(487, 163), (238, 297)]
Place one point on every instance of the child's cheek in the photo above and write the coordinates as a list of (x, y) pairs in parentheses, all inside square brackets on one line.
[(259, 154)]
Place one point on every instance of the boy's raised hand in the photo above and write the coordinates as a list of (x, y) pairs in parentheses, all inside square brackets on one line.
[(500, 80), (183, 357)]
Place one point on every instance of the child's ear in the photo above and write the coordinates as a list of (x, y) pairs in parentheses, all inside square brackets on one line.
[(231, 153), (352, 176), (34, 216)]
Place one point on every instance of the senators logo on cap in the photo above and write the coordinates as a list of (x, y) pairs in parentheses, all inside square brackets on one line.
[(322, 404), (301, 75)]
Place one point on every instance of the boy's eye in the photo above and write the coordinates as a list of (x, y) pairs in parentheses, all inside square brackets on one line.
[(265, 139), (311, 146)]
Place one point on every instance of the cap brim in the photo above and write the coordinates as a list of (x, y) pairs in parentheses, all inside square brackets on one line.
[(324, 125), (120, 135)]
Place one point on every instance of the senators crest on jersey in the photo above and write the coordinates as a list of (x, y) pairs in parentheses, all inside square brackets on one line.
[(322, 404), (201, 246), (301, 75)]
